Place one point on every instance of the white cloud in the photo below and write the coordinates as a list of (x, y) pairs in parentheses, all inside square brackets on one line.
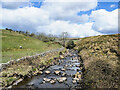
[(105, 22), (74, 30), (56, 18), (14, 4), (113, 5), (24, 18), (38, 20), (69, 1), (65, 10), (0, 15)]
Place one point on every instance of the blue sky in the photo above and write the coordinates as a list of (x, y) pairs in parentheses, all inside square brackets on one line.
[(78, 19), (102, 5)]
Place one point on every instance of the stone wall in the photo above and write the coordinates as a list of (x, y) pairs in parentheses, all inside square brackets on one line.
[(29, 58)]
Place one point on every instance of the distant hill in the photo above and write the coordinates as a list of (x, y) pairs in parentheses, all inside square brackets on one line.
[(30, 46), (101, 58)]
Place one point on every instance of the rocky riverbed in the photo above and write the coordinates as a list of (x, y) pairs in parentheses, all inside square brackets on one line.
[(66, 74)]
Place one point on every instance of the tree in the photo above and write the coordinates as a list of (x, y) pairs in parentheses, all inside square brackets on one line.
[(51, 37), (32, 34), (6, 29), (41, 36), (20, 32), (27, 33), (70, 44), (10, 30), (64, 35)]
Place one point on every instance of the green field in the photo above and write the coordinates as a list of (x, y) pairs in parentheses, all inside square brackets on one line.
[(12, 40)]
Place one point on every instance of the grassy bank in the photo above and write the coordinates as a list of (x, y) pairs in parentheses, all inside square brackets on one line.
[(12, 40), (101, 58), (27, 68)]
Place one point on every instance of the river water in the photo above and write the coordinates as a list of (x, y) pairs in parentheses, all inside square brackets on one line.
[(70, 65)]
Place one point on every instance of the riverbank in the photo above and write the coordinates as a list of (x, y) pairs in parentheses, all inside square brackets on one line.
[(100, 56), (65, 74), (17, 71)]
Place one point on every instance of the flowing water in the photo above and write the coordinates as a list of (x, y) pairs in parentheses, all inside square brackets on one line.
[(71, 67)]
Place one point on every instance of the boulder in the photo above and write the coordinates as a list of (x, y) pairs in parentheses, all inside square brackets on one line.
[(46, 79), (78, 65), (70, 65), (57, 72), (61, 57), (62, 79), (74, 81), (63, 69), (52, 81), (8, 87), (18, 81), (66, 65), (77, 79), (35, 73), (40, 72), (47, 72), (79, 76), (63, 74)]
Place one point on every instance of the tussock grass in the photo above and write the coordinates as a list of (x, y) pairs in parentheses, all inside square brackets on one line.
[(101, 58)]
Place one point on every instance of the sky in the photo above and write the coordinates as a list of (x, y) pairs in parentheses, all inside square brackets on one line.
[(77, 17)]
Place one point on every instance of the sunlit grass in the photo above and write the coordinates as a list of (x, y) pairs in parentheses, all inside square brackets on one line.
[(12, 40)]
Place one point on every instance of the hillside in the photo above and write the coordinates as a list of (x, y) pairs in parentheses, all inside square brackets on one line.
[(12, 40), (101, 58)]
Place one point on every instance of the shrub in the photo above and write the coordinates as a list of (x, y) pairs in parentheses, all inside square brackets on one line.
[(45, 39), (32, 34), (70, 44)]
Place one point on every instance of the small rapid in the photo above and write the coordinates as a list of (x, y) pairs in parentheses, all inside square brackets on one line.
[(66, 74)]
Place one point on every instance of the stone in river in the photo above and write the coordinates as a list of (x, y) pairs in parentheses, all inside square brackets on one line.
[(47, 72), (66, 65), (46, 79), (62, 79), (78, 65), (77, 79), (63, 74), (57, 72), (79, 76), (74, 81), (61, 56), (52, 81), (63, 69), (40, 72), (70, 65), (17, 81)]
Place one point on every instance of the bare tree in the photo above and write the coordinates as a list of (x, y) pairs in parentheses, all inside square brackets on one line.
[(64, 35)]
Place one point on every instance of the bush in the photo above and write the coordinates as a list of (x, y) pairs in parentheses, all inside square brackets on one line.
[(45, 39), (70, 44), (32, 34)]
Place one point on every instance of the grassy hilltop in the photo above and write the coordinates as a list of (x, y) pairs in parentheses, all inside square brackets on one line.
[(12, 40), (101, 58)]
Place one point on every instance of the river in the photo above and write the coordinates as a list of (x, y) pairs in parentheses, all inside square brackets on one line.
[(66, 69)]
